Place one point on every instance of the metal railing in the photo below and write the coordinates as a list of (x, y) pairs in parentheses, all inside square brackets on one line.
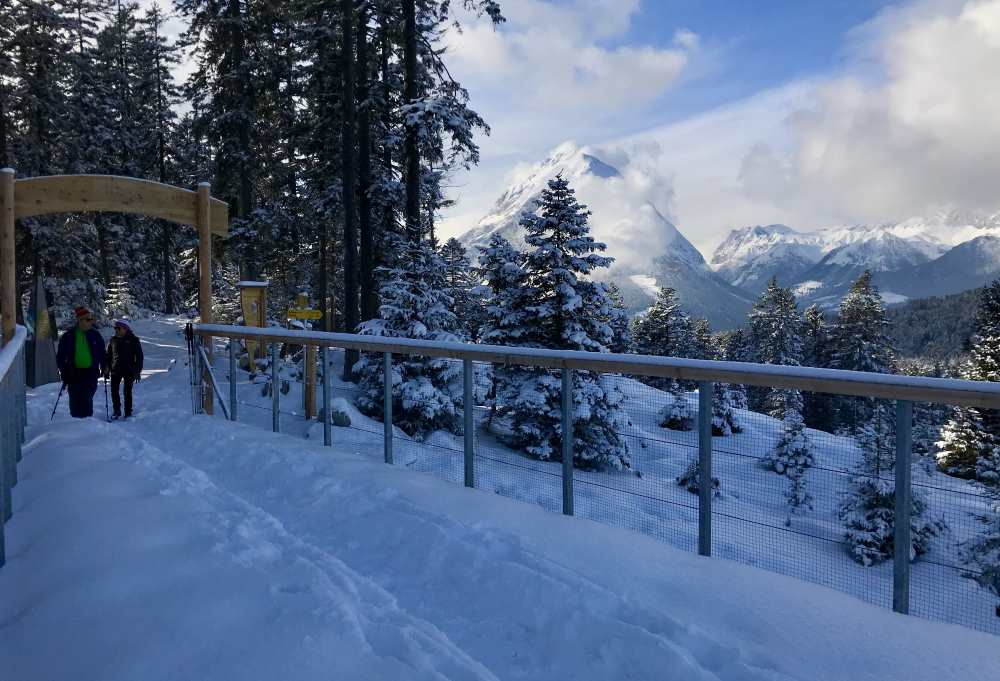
[(13, 416), (904, 390)]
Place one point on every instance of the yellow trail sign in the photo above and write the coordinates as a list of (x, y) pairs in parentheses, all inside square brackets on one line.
[(304, 314)]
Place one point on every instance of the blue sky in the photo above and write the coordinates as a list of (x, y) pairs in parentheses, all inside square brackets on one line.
[(807, 112), (758, 44)]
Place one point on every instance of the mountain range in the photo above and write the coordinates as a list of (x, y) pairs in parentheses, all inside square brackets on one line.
[(935, 256), (649, 250)]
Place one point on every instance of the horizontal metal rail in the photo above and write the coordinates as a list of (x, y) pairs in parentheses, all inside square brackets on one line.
[(837, 381)]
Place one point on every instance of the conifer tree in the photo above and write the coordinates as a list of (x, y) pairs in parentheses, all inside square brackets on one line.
[(662, 331), (569, 311), (414, 305), (776, 336), (974, 434), (460, 282), (794, 450), (816, 407), (677, 415), (869, 511), (621, 326), (860, 342)]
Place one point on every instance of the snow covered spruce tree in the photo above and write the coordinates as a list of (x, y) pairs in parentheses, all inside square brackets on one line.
[(816, 407), (776, 337), (505, 317), (663, 330), (860, 342), (566, 310), (869, 510), (973, 435), (414, 305), (618, 319), (461, 281), (982, 553), (794, 450)]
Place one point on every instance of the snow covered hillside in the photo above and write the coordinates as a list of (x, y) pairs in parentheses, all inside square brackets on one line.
[(644, 243), (172, 546)]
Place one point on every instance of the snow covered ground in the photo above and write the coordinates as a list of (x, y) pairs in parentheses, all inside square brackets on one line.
[(172, 546)]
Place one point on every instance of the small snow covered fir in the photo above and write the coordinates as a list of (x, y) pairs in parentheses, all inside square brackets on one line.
[(794, 451), (677, 415), (725, 401), (690, 479), (868, 512)]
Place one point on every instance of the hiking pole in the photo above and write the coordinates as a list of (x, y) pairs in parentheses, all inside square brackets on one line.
[(107, 412), (56, 406)]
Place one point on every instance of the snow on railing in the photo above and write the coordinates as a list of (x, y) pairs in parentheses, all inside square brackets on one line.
[(905, 390), (12, 421)]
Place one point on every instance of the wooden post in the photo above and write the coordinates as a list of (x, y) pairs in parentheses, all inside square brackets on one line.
[(8, 278), (309, 389), (203, 214)]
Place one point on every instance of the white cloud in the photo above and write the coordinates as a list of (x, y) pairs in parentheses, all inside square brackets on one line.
[(922, 136), (552, 73)]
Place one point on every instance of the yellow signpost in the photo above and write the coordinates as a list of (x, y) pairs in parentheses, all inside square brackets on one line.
[(253, 301), (304, 312)]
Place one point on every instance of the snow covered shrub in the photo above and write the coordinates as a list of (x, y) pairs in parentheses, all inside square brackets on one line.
[(794, 451), (677, 415), (690, 479), (798, 496), (414, 305), (869, 515), (724, 405), (962, 443)]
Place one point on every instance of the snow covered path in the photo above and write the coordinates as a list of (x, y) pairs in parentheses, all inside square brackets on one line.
[(174, 546)]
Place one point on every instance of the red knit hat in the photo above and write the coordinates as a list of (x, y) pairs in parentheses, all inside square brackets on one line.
[(81, 311)]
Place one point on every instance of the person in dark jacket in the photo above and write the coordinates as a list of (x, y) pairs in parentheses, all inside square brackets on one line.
[(81, 359), (124, 365)]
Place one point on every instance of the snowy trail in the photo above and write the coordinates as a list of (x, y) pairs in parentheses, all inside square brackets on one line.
[(173, 546)]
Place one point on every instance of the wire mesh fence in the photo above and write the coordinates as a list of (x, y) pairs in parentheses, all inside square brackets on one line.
[(811, 521)]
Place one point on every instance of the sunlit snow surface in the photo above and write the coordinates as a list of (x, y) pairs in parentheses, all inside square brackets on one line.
[(181, 547)]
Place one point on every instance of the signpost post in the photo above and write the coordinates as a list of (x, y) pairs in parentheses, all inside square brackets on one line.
[(303, 312)]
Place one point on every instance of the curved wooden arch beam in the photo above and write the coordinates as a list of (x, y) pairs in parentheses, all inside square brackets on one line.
[(35, 196)]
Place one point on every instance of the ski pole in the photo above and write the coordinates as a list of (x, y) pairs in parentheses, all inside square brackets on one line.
[(107, 412), (56, 405)]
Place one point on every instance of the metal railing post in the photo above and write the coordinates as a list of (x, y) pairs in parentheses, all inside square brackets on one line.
[(324, 358), (387, 406), (567, 441), (232, 379), (275, 390), (468, 415), (705, 468), (901, 525)]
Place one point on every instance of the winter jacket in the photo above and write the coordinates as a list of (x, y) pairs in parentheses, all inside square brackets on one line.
[(125, 355), (66, 357)]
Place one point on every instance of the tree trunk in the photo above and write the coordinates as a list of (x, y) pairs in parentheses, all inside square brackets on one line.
[(237, 54), (368, 302), (102, 244), (347, 156), (324, 277), (412, 148)]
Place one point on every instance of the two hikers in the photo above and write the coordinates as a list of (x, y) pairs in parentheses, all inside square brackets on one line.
[(124, 365), (82, 359)]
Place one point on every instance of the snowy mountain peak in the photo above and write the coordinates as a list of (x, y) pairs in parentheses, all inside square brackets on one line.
[(573, 162)]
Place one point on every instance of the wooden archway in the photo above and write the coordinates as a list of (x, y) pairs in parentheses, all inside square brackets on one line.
[(36, 196)]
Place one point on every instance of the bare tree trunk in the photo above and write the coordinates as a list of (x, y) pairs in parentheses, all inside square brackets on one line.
[(368, 301), (412, 148), (347, 155)]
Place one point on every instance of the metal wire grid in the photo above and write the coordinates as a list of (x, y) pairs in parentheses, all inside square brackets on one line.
[(750, 518)]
